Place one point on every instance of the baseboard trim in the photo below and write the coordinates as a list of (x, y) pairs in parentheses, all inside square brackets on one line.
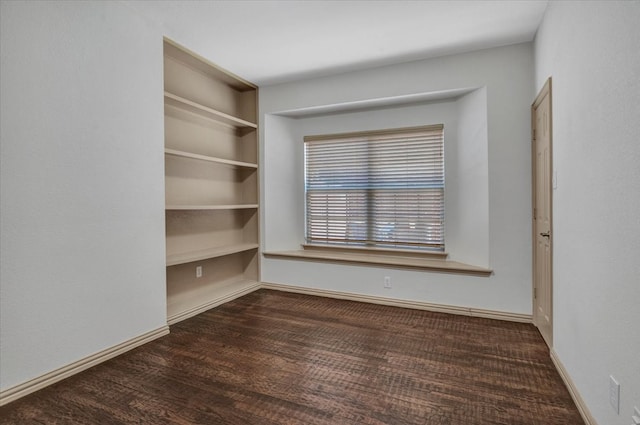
[(21, 390), (418, 305), (171, 320), (575, 395), (18, 391)]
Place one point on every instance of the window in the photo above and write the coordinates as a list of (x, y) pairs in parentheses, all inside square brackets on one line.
[(380, 189)]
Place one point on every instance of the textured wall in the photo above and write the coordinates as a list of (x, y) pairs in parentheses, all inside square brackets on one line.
[(82, 193), (592, 52), (500, 107)]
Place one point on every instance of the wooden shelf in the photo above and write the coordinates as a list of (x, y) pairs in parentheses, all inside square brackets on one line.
[(396, 261), (205, 111), (212, 207), (188, 257), (190, 155)]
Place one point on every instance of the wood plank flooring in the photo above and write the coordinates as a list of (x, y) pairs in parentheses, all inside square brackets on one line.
[(272, 358)]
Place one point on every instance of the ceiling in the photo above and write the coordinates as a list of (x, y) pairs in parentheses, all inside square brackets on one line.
[(269, 42)]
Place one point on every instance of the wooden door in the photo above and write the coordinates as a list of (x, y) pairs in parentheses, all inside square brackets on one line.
[(542, 209)]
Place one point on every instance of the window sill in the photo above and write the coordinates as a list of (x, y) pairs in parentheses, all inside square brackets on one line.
[(432, 261)]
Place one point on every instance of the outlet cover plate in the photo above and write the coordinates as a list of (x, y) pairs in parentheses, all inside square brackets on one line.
[(614, 394), (387, 282)]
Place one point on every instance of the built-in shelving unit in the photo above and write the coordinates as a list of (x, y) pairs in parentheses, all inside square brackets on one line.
[(211, 184)]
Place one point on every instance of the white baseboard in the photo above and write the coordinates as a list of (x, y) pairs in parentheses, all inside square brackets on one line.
[(52, 377), (418, 305), (575, 395)]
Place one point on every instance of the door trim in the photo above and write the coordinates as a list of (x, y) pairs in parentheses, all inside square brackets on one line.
[(545, 91)]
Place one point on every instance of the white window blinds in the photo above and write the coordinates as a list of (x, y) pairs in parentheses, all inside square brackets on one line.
[(382, 188)]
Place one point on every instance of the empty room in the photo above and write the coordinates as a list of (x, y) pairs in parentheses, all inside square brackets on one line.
[(320, 212)]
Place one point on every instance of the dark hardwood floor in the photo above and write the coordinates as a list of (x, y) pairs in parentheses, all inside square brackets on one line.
[(278, 358)]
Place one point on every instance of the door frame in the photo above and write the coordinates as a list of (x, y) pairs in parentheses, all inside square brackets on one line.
[(545, 91)]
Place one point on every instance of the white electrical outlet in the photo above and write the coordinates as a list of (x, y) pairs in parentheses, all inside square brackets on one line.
[(614, 394), (199, 271), (387, 282), (636, 416)]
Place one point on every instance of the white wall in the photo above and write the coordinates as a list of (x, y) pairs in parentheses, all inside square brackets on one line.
[(82, 193), (504, 77), (467, 187), (592, 52)]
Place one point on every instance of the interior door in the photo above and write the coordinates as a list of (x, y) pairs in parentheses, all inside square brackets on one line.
[(542, 214)]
